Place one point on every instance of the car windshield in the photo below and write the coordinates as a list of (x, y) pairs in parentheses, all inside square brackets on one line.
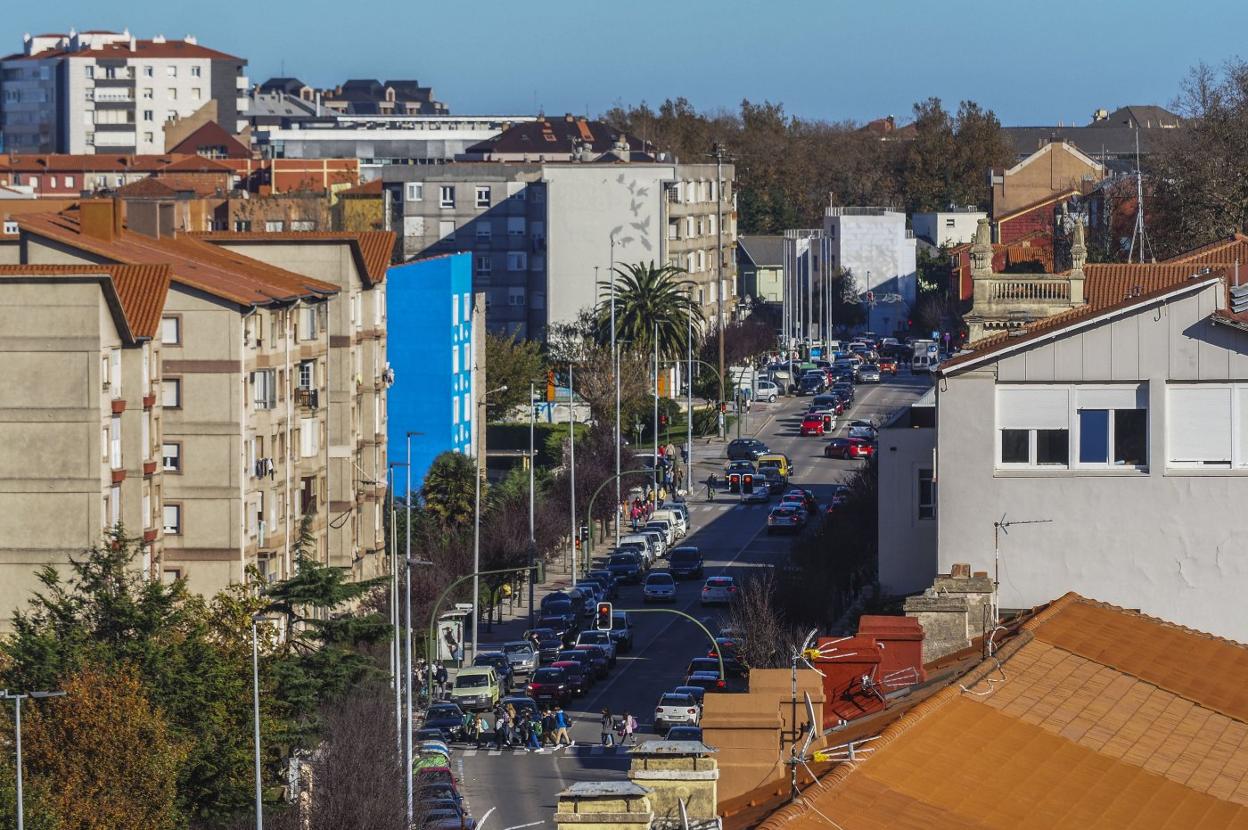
[(676, 700), (551, 621), (595, 637), (684, 555), (659, 579), (548, 675), (442, 710), (623, 559), (471, 681), (516, 648)]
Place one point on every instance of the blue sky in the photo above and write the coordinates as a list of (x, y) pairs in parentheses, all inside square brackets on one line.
[(1032, 63)]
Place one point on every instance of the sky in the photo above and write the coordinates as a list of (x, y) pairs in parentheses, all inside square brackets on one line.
[(1031, 63)]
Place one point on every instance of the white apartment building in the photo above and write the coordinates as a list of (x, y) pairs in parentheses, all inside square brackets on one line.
[(947, 227), (874, 245), (110, 92)]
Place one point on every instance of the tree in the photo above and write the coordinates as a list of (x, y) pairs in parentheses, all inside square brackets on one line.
[(105, 755), (646, 297), (767, 640), (449, 489), (513, 363)]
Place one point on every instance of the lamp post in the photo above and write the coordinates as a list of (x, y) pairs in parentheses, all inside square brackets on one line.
[(532, 534), (656, 413), (17, 698), (476, 525), (255, 721), (396, 649), (407, 631)]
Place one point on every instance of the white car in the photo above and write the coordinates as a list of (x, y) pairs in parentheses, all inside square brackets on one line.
[(662, 526), (719, 590), (677, 518), (659, 587), (641, 545), (674, 708), (681, 509), (658, 542), (598, 638)]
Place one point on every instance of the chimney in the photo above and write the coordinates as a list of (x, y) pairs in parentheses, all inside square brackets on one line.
[(119, 215), (953, 612), (96, 219), (676, 773), (604, 805)]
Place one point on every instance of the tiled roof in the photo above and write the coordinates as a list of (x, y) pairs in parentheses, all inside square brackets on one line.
[(147, 189), (1229, 250), (763, 251), (143, 49), (141, 289), (1107, 288), (196, 164), (554, 136), (1094, 717), (194, 263), (212, 134), (108, 163), (368, 189), (373, 248)]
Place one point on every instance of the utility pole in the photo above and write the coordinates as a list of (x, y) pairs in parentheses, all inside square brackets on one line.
[(656, 410), (717, 151), (572, 482), (532, 536)]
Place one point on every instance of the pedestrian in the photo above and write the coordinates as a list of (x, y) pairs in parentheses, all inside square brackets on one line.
[(630, 728), (548, 727), (441, 678), (502, 732), (483, 726), (562, 722), (468, 727), (710, 487), (680, 479), (607, 738), (535, 731)]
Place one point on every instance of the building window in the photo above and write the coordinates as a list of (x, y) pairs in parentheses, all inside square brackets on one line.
[(274, 226), (149, 71), (515, 296), (305, 324), (485, 263), (264, 389), (171, 393), (171, 70), (483, 197), (90, 70), (701, 260), (927, 495), (303, 225), (114, 442), (515, 226), (1033, 426), (1115, 437), (446, 196), (1207, 425), (172, 517), (171, 331), (171, 93), (309, 436), (195, 94), (415, 191), (307, 374), (195, 71), (484, 230), (517, 261), (242, 225), (69, 182), (171, 457), (114, 506)]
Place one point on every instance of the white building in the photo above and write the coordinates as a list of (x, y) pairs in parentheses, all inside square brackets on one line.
[(1120, 428), (947, 227), (109, 92), (907, 498), (874, 245)]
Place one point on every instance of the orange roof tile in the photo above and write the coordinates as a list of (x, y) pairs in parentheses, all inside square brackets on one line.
[(194, 263), (1229, 250), (142, 49), (369, 188), (1044, 735), (141, 289), (373, 249), (110, 163)]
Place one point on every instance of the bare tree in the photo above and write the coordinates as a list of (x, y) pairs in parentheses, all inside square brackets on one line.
[(766, 639)]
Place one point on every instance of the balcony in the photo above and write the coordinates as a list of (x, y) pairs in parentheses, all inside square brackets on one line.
[(308, 398)]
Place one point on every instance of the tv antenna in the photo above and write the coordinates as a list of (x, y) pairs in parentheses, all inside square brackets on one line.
[(799, 757), (1138, 232), (999, 527)]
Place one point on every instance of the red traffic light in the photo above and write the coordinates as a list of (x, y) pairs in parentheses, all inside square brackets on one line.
[(602, 620)]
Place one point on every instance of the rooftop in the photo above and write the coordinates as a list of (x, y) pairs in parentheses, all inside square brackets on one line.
[(556, 136), (140, 289), (1092, 717), (763, 251), (372, 249)]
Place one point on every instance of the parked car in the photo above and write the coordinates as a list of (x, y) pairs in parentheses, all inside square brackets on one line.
[(684, 732), (784, 517), (868, 373), (523, 656), (445, 718), (864, 430), (577, 675), (674, 707), (606, 580), (718, 590), (550, 685), (702, 665), (602, 639), (598, 660), (659, 587), (812, 425), (848, 448), (626, 567), (733, 666), (662, 526), (685, 561), (502, 667), (548, 642), (748, 449), (765, 390), (695, 692), (476, 688), (622, 630)]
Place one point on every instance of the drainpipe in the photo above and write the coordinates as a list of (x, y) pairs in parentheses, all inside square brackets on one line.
[(242, 422), (288, 392)]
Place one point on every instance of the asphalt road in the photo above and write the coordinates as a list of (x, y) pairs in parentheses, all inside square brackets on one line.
[(511, 789)]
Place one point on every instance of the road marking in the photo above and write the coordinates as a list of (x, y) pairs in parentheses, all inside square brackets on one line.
[(522, 826), (496, 752), (481, 823), (468, 753)]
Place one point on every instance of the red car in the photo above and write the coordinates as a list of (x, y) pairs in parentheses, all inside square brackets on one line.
[(888, 366), (848, 448), (812, 425)]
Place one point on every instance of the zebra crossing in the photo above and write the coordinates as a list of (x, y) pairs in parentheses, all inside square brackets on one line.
[(725, 506), (580, 750)]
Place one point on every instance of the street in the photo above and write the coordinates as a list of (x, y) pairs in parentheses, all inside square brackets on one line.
[(517, 789)]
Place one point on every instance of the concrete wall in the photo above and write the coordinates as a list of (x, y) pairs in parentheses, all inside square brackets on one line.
[(1052, 169), (588, 205), (907, 543), (1163, 540), (882, 258), (946, 228)]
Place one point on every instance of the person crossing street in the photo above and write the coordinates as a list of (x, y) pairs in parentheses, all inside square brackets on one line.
[(562, 722)]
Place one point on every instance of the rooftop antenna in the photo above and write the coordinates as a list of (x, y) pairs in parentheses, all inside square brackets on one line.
[(1138, 232), (998, 527)]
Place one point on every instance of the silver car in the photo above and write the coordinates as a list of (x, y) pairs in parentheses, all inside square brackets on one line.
[(868, 373), (659, 587), (524, 658), (598, 638)]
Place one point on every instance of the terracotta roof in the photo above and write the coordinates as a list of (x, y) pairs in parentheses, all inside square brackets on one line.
[(368, 189), (196, 164), (143, 49), (212, 134), (194, 263), (141, 289), (373, 249), (1229, 250), (1107, 288), (554, 136), (1094, 717), (108, 163), (147, 189)]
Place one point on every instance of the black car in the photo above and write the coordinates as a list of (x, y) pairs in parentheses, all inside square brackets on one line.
[(685, 561), (548, 643), (502, 667), (564, 627), (604, 578), (622, 630), (625, 567), (747, 449), (447, 718), (811, 385), (584, 659), (771, 478), (733, 667), (598, 658), (576, 676), (684, 733)]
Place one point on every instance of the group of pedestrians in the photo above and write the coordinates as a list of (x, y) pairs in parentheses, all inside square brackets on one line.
[(441, 680), (622, 730), (525, 728)]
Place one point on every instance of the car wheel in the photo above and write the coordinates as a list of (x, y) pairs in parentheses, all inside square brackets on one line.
[(771, 399)]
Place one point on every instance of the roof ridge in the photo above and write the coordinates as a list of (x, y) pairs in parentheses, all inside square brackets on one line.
[(1073, 598)]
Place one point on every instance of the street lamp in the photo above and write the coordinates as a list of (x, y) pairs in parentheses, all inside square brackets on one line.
[(255, 716), (396, 647), (476, 525), (17, 698), (408, 562)]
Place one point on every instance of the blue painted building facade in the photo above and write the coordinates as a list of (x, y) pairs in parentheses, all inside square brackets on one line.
[(431, 350)]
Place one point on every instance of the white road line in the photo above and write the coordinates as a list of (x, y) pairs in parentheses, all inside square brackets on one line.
[(522, 826), (481, 823)]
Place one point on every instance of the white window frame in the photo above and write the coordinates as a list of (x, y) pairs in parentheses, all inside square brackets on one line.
[(415, 191), (1237, 423), (517, 261), (1109, 398), (171, 519), (483, 263), (446, 196), (171, 331), (114, 442), (481, 196), (171, 451)]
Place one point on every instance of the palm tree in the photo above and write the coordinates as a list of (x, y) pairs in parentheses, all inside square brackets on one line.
[(646, 296), (449, 490)]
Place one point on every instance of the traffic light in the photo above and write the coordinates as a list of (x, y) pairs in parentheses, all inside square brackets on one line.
[(747, 483), (550, 386), (662, 420), (584, 533), (603, 621), (734, 482)]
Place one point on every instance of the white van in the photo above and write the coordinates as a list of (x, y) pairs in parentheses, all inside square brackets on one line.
[(649, 549), (677, 518), (924, 363)]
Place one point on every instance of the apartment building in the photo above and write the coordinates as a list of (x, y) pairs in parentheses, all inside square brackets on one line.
[(80, 419), (947, 228), (271, 389), (874, 245), (543, 235), (110, 92)]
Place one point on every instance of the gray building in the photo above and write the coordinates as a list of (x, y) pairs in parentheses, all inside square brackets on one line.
[(110, 92)]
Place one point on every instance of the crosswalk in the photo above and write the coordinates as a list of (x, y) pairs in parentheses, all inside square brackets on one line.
[(724, 506), (580, 750)]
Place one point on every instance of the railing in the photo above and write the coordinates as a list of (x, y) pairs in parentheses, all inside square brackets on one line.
[(307, 397), (859, 211), (1029, 291)]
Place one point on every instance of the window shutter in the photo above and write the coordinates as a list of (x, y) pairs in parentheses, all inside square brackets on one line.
[(1198, 424), (1126, 396), (1021, 407)]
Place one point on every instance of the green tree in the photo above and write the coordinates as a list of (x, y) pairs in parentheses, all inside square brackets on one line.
[(513, 363), (449, 490), (106, 757), (647, 296)]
